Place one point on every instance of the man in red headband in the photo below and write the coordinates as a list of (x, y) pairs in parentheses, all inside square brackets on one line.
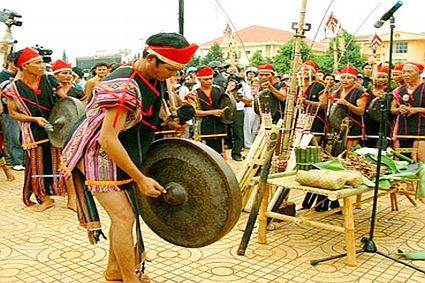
[(354, 100), (266, 74), (409, 106), (30, 100), (119, 126), (208, 112), (63, 72), (378, 93)]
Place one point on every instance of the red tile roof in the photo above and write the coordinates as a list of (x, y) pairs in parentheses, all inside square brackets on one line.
[(258, 34)]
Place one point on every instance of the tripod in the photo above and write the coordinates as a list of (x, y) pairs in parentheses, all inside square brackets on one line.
[(369, 245)]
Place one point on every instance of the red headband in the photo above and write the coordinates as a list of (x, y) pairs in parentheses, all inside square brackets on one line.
[(205, 73), (382, 70), (415, 65), (265, 68), (27, 55), (177, 57), (350, 71), (60, 66), (311, 65)]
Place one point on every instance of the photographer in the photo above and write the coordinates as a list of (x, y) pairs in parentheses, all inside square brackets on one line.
[(242, 96)]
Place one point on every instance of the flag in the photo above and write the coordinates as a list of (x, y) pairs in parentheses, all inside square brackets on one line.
[(227, 31), (375, 42), (332, 25)]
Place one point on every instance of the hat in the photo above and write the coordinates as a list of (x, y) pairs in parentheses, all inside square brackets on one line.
[(177, 57), (205, 73), (266, 68), (60, 66), (418, 66), (217, 64), (398, 68), (251, 69), (310, 65), (79, 72), (360, 76), (286, 76), (27, 55), (382, 70), (191, 69), (350, 71)]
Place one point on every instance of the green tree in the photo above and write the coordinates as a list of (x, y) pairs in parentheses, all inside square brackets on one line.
[(195, 61), (256, 59), (351, 55), (214, 54), (282, 62)]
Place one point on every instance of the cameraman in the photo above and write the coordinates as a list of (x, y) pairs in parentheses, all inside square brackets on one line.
[(242, 96)]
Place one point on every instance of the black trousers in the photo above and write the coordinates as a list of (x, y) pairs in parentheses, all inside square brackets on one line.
[(237, 134)]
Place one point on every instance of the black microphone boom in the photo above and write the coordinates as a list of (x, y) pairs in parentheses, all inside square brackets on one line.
[(388, 14)]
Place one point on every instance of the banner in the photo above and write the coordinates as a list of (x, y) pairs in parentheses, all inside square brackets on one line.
[(375, 42), (332, 26)]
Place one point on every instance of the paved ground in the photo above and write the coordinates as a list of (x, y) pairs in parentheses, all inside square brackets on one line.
[(50, 247)]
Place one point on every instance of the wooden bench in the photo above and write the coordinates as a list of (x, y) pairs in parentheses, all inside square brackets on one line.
[(310, 219)]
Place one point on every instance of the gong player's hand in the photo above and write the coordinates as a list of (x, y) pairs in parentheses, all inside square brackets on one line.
[(41, 121), (217, 112), (149, 187)]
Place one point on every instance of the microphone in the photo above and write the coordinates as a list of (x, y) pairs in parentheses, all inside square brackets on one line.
[(388, 14)]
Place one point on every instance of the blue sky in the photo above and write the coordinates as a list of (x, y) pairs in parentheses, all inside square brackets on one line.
[(92, 26)]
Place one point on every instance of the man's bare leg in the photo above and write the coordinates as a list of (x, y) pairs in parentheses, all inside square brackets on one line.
[(121, 233), (46, 202), (112, 271), (71, 195)]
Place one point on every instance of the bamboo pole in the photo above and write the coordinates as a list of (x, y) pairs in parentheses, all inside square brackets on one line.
[(290, 99)]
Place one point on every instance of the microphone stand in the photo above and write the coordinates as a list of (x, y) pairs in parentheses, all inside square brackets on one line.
[(369, 245)]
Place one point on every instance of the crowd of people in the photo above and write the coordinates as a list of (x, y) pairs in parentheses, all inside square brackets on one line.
[(127, 105)]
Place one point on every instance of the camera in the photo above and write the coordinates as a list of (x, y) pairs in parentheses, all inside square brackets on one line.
[(236, 80), (44, 52), (8, 17)]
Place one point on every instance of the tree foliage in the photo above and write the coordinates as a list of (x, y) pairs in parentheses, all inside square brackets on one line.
[(256, 59), (195, 61), (214, 54), (351, 55), (282, 62)]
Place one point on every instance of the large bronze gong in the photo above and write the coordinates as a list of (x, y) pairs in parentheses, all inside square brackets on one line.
[(374, 109), (203, 200), (228, 103), (336, 115), (65, 113)]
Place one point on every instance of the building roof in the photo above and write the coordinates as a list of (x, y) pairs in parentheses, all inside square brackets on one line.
[(261, 34)]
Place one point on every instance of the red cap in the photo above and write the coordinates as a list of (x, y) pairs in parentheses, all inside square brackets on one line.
[(416, 65), (27, 55), (310, 65), (177, 57), (347, 70), (60, 66), (265, 68), (382, 70), (398, 68), (205, 73)]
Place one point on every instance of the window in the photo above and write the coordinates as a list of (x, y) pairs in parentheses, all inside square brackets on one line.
[(400, 47)]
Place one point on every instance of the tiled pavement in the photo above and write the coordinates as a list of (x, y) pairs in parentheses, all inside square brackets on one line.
[(51, 247)]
